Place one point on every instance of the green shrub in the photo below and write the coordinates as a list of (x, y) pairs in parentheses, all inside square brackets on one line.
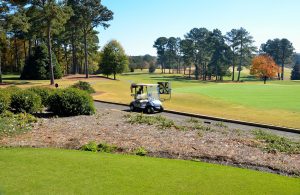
[(4, 101), (274, 143), (44, 93), (202, 127), (192, 120), (71, 102), (104, 147), (37, 65), (91, 146), (85, 86), (15, 123), (152, 67), (26, 101), (161, 121), (141, 151), (221, 124)]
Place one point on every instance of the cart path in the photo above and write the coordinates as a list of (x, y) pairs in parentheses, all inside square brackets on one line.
[(177, 117)]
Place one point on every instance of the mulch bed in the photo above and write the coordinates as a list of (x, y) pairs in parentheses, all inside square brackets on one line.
[(221, 145)]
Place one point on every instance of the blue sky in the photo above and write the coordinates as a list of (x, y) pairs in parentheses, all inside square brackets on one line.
[(138, 23)]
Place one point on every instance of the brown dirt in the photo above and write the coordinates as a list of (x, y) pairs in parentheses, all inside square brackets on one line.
[(220, 145), (4, 84)]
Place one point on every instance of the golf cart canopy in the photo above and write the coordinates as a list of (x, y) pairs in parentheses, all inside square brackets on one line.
[(134, 85)]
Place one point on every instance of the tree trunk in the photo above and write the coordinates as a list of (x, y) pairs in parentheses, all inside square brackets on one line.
[(282, 71), (114, 76), (50, 54), (216, 67), (16, 54), (233, 69), (265, 80), (66, 59), (85, 55), (190, 71), (239, 75), (241, 60), (25, 52), (239, 69), (74, 58), (196, 72), (58, 54), (29, 47), (0, 67)]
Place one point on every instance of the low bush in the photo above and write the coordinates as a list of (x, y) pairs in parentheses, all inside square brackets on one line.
[(203, 128), (91, 146), (221, 124), (71, 102), (4, 101), (104, 147), (275, 143), (160, 121), (25, 101), (192, 120), (44, 93), (85, 86), (15, 123), (141, 151), (152, 68)]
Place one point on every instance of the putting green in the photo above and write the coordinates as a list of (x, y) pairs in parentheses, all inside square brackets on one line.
[(53, 171)]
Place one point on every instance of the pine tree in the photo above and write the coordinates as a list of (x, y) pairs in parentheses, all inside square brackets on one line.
[(296, 72), (92, 14), (37, 66)]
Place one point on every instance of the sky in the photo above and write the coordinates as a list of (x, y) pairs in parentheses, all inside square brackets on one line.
[(138, 23)]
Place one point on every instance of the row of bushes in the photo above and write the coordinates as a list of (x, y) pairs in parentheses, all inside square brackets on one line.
[(66, 102)]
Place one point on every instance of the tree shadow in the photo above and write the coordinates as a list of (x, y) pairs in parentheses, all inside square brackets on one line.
[(45, 115)]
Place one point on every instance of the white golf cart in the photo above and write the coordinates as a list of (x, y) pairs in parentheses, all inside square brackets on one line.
[(146, 98)]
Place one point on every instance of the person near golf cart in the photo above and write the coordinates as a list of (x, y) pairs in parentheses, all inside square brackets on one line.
[(146, 98), (140, 93)]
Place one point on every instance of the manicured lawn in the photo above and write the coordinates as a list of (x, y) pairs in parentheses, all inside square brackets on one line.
[(275, 103), (53, 171), (255, 95)]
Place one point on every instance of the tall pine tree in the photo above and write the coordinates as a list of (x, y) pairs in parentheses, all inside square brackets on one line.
[(296, 71)]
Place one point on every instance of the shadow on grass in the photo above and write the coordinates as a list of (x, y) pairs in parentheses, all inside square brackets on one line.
[(17, 83)]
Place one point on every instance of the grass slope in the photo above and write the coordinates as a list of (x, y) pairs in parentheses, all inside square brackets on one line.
[(52, 171)]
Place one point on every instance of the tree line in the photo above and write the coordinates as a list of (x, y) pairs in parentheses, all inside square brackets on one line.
[(142, 62), (212, 54), (65, 27)]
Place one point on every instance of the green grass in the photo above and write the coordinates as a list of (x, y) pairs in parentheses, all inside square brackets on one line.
[(52, 171), (271, 96)]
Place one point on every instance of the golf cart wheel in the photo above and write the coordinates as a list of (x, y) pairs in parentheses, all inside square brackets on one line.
[(131, 107), (161, 109), (149, 110)]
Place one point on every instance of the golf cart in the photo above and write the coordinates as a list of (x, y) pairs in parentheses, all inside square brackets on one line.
[(146, 98)]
